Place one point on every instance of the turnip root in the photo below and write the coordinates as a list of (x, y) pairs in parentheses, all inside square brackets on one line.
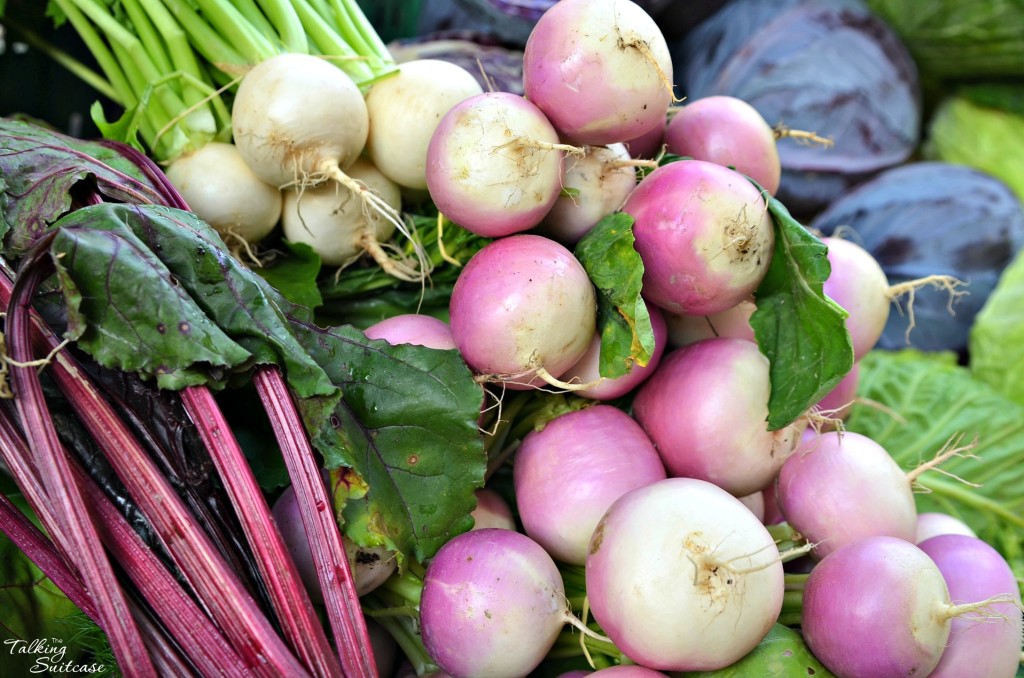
[(683, 577), (221, 189), (523, 311), (599, 69), (299, 121), (404, 111), (704, 234), (494, 164)]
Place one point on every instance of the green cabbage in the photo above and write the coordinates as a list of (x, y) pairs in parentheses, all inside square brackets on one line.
[(953, 38), (990, 139)]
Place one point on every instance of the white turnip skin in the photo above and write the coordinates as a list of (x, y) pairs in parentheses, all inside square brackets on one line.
[(840, 487), (931, 524), (404, 111), (221, 189), (732, 322), (726, 131), (522, 308), (493, 604), (494, 164), (567, 474), (588, 369), (331, 220), (879, 607), (601, 180), (599, 69), (413, 328), (988, 645), (704, 234), (859, 285), (705, 409), (492, 511), (299, 121), (683, 577), (370, 566), (755, 502)]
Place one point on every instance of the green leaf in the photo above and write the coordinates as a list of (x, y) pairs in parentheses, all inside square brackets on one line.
[(617, 272), (781, 654), (295, 276), (408, 427), (39, 170), (996, 342), (801, 331), (925, 400), (126, 128)]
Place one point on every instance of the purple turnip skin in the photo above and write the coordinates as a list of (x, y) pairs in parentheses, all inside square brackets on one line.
[(932, 524), (837, 488), (705, 409), (683, 577), (492, 604), (412, 328), (628, 671), (567, 474), (599, 69), (484, 171), (732, 322), (875, 609), (704, 234), (520, 303), (727, 131), (588, 369), (974, 571), (838, 402), (859, 285)]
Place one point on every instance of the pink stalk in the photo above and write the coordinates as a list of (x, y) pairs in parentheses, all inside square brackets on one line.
[(185, 622), (287, 594), (332, 567), (228, 602), (76, 534)]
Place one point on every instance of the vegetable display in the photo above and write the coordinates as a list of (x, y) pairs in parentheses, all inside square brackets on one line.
[(325, 351)]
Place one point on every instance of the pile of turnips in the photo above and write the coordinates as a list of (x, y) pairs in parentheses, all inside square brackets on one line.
[(661, 488)]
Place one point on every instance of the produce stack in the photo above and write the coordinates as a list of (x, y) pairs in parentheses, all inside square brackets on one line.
[(323, 362)]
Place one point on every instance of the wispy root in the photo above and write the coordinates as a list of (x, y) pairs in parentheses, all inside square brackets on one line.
[(952, 448), (806, 138), (910, 287)]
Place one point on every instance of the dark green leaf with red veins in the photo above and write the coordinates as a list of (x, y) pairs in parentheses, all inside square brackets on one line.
[(41, 170), (617, 272), (294, 275), (407, 427), (801, 331)]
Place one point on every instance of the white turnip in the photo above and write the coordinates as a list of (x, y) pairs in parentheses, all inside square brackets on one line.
[(932, 524), (683, 577)]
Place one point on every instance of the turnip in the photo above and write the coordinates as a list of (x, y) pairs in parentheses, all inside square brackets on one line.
[(840, 487), (331, 220), (220, 188), (627, 671), (835, 406), (494, 164), (492, 511), (704, 234), (595, 185), (880, 607), (523, 311), (733, 322), (931, 524), (568, 473), (599, 69), (648, 145), (859, 285), (371, 566), (404, 111), (683, 577), (493, 604), (726, 131), (413, 328), (298, 121), (587, 369), (988, 644), (705, 409)]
